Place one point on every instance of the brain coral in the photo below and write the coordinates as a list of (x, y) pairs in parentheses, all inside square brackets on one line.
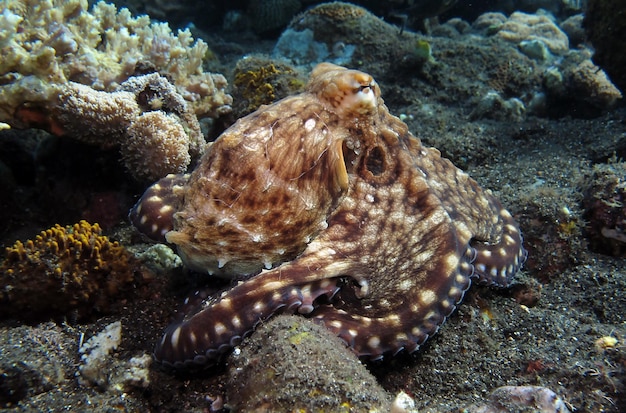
[(64, 269), (272, 15)]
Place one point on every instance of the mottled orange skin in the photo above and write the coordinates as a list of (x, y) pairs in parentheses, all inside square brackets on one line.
[(334, 197)]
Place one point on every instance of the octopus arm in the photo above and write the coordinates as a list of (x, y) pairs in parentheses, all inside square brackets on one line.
[(204, 337), (480, 219), (404, 306)]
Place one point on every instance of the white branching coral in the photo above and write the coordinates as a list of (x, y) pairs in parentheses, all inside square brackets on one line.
[(54, 50)]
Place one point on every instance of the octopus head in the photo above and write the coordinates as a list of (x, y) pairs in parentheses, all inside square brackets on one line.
[(346, 92)]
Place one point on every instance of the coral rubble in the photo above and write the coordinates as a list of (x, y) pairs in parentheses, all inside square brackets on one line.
[(55, 49), (64, 270)]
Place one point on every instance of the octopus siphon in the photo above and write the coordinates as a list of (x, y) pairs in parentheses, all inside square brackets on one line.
[(324, 204)]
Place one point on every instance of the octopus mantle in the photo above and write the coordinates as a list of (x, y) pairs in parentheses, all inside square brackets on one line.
[(331, 208)]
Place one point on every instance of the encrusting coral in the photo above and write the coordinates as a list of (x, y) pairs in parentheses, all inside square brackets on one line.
[(53, 50), (521, 27), (261, 81), (64, 269)]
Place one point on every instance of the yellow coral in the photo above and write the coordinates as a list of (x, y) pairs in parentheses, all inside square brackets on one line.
[(260, 82), (64, 269), (256, 86)]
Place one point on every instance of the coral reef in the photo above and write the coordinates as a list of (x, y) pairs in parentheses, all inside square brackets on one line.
[(579, 86), (147, 119), (261, 81), (271, 15), (605, 212), (521, 27), (64, 271), (56, 53), (606, 29), (349, 35)]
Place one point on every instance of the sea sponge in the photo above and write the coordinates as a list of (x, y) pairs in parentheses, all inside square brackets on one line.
[(73, 270), (64, 68)]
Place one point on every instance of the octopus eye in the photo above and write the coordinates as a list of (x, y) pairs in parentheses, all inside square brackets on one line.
[(365, 89), (362, 100), (375, 161), (347, 92)]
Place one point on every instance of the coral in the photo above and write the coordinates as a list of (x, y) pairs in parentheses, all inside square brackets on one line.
[(146, 118), (349, 35), (260, 81), (64, 270), (605, 210), (56, 41), (271, 15), (521, 26), (489, 22), (579, 85), (65, 69), (591, 81), (493, 106), (573, 27), (606, 29), (338, 12)]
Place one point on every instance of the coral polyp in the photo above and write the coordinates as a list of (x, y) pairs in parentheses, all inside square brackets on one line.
[(62, 270)]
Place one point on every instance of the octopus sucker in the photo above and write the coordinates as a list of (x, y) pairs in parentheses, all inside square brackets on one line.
[(326, 205)]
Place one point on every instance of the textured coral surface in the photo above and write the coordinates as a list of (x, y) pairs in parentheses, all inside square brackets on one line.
[(78, 73), (64, 270)]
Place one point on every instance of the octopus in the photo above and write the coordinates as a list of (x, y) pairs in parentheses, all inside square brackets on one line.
[(324, 204)]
